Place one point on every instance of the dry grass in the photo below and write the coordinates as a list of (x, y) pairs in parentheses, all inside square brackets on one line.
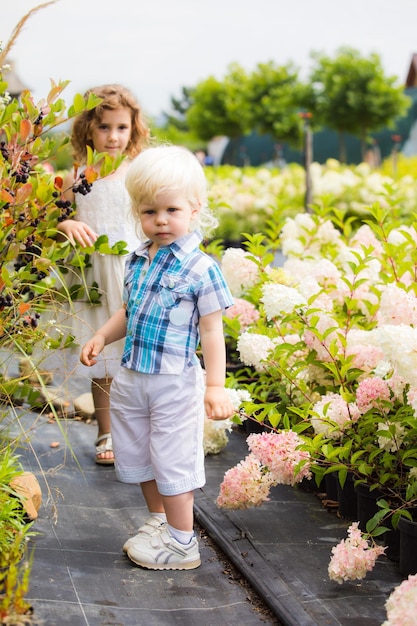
[(17, 30)]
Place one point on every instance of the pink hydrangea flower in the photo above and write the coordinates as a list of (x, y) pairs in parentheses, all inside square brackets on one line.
[(244, 485), (365, 357), (332, 415), (353, 557), (412, 399), (245, 311), (279, 453), (397, 385), (328, 327), (397, 306), (402, 604), (365, 237), (372, 393)]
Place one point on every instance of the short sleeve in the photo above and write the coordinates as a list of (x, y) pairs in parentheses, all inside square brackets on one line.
[(213, 294)]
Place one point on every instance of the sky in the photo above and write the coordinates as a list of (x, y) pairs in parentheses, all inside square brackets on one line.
[(156, 47)]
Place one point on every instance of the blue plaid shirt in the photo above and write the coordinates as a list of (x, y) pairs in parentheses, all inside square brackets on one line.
[(164, 302)]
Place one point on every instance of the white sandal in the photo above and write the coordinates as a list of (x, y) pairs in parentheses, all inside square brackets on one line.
[(104, 447)]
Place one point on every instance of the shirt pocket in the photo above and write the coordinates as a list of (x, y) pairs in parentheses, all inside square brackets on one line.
[(172, 290)]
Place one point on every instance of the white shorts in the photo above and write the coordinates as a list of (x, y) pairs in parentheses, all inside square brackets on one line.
[(157, 425)]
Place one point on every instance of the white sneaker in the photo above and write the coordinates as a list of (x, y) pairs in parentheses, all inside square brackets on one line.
[(148, 528), (161, 551)]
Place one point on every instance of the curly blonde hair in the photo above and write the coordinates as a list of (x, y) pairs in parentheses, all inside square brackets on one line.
[(169, 167), (113, 97)]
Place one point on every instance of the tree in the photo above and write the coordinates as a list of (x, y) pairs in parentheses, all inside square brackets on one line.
[(268, 101), (174, 127), (180, 107), (351, 94), (209, 114)]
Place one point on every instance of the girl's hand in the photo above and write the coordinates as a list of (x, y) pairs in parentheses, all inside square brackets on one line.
[(78, 232), (217, 404), (91, 349)]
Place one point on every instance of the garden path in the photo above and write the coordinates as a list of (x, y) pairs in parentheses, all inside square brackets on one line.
[(81, 577)]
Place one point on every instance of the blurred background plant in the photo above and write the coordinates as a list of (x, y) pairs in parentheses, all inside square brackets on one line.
[(248, 199), (15, 532)]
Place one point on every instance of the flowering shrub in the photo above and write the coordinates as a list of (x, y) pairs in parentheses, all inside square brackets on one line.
[(245, 311), (281, 455), (353, 557), (402, 604), (333, 358), (250, 199), (245, 485), (275, 458), (31, 206), (335, 342)]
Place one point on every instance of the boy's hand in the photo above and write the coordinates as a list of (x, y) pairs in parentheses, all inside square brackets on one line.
[(91, 349), (217, 404)]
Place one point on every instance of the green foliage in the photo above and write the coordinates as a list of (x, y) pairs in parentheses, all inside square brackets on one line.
[(170, 133), (270, 102), (352, 94), (180, 107), (266, 100), (31, 207), (348, 93), (14, 535), (333, 340), (32, 261), (208, 114)]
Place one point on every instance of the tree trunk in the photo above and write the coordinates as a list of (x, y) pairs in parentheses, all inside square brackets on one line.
[(363, 145), (342, 147), (308, 158)]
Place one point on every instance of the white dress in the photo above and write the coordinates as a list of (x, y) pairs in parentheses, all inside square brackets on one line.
[(106, 209)]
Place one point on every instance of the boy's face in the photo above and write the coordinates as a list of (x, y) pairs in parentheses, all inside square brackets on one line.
[(112, 133), (168, 218)]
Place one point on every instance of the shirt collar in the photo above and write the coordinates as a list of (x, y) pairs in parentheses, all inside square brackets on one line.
[(179, 248)]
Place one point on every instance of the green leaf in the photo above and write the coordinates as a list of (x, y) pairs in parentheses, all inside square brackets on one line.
[(78, 103)]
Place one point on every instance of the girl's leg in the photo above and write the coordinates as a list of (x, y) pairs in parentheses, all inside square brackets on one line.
[(100, 388)]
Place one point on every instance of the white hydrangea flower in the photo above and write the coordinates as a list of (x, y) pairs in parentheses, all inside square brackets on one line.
[(239, 271), (397, 236), (399, 344), (388, 443), (237, 396), (254, 349), (278, 299), (331, 414), (215, 437), (303, 234), (413, 473), (382, 369), (397, 306)]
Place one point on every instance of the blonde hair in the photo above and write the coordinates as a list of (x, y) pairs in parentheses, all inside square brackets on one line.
[(170, 168), (113, 97)]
